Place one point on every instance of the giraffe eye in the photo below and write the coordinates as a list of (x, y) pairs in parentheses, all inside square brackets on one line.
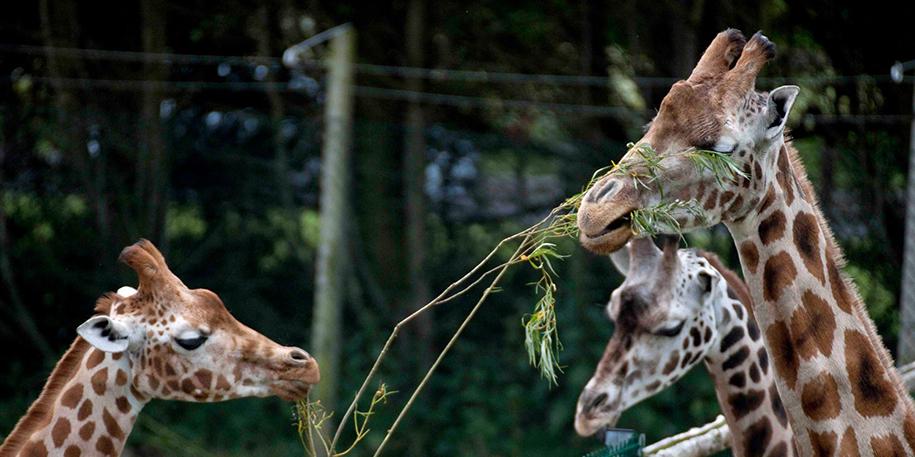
[(723, 146), (191, 343), (670, 331)]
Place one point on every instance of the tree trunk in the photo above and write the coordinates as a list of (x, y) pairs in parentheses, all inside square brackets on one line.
[(414, 163), (332, 267)]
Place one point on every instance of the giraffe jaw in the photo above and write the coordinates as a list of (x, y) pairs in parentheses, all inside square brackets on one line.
[(588, 424), (611, 238), (291, 390)]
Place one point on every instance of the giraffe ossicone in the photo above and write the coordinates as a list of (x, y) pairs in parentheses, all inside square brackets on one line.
[(835, 377), (161, 340), (675, 309)]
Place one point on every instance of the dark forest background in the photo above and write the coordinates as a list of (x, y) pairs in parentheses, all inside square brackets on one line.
[(217, 159)]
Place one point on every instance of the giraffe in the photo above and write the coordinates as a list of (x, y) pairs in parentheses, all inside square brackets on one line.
[(675, 308), (163, 341), (836, 378)]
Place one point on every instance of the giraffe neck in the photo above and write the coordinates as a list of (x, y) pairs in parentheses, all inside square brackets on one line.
[(87, 408), (745, 385), (834, 375)]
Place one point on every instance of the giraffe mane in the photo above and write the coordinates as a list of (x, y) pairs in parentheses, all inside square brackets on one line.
[(799, 172), (41, 411)]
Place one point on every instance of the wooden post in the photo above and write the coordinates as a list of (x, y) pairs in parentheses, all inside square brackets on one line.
[(906, 349), (332, 268)]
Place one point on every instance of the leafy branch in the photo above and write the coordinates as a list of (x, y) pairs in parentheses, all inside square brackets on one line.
[(311, 418), (721, 165), (662, 217), (541, 336), (537, 248)]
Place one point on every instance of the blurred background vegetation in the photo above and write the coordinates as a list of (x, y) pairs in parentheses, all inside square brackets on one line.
[(217, 160)]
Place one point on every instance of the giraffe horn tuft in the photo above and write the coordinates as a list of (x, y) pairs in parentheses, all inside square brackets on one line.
[(720, 55)]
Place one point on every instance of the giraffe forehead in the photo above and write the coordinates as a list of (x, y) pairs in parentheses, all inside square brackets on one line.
[(689, 115)]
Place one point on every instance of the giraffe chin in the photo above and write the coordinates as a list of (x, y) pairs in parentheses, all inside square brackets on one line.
[(588, 425), (607, 242), (291, 390)]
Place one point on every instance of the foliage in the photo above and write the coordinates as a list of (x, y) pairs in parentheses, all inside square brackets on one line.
[(240, 196), (722, 166), (313, 421)]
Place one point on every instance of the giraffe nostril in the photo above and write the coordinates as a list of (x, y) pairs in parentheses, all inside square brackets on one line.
[(299, 355), (602, 192), (597, 401)]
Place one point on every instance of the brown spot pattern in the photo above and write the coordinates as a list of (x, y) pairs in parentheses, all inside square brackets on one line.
[(849, 445), (772, 228), (908, 427), (111, 425), (85, 410), (712, 200), (72, 451), (784, 176), (123, 405), (767, 200), (820, 398), (60, 432), (778, 408), (121, 377), (873, 393), (105, 446), (72, 396), (807, 239), (671, 364), (757, 437), (824, 444), (784, 356), (744, 402), (86, 431), (99, 380), (840, 288), (778, 274), (749, 255), (812, 326), (887, 446), (95, 357), (779, 450), (34, 449), (204, 377)]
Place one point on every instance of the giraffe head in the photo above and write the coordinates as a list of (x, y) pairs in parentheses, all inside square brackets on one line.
[(183, 344), (665, 319), (717, 108)]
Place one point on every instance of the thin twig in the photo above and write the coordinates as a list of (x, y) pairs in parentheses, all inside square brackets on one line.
[(396, 330), (447, 347)]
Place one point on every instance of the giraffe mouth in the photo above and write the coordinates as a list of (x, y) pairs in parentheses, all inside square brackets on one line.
[(611, 237), (291, 390)]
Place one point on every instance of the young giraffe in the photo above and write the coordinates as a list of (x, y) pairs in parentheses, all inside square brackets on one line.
[(674, 309), (164, 341), (835, 376)]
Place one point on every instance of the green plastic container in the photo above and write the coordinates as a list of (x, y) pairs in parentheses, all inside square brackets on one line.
[(620, 442)]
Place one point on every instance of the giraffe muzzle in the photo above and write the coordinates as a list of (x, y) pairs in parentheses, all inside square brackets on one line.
[(608, 237), (596, 410)]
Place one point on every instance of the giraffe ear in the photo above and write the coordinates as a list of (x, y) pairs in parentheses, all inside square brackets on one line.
[(780, 101), (105, 333), (126, 291)]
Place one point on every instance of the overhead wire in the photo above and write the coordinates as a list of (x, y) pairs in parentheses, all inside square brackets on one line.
[(434, 74)]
